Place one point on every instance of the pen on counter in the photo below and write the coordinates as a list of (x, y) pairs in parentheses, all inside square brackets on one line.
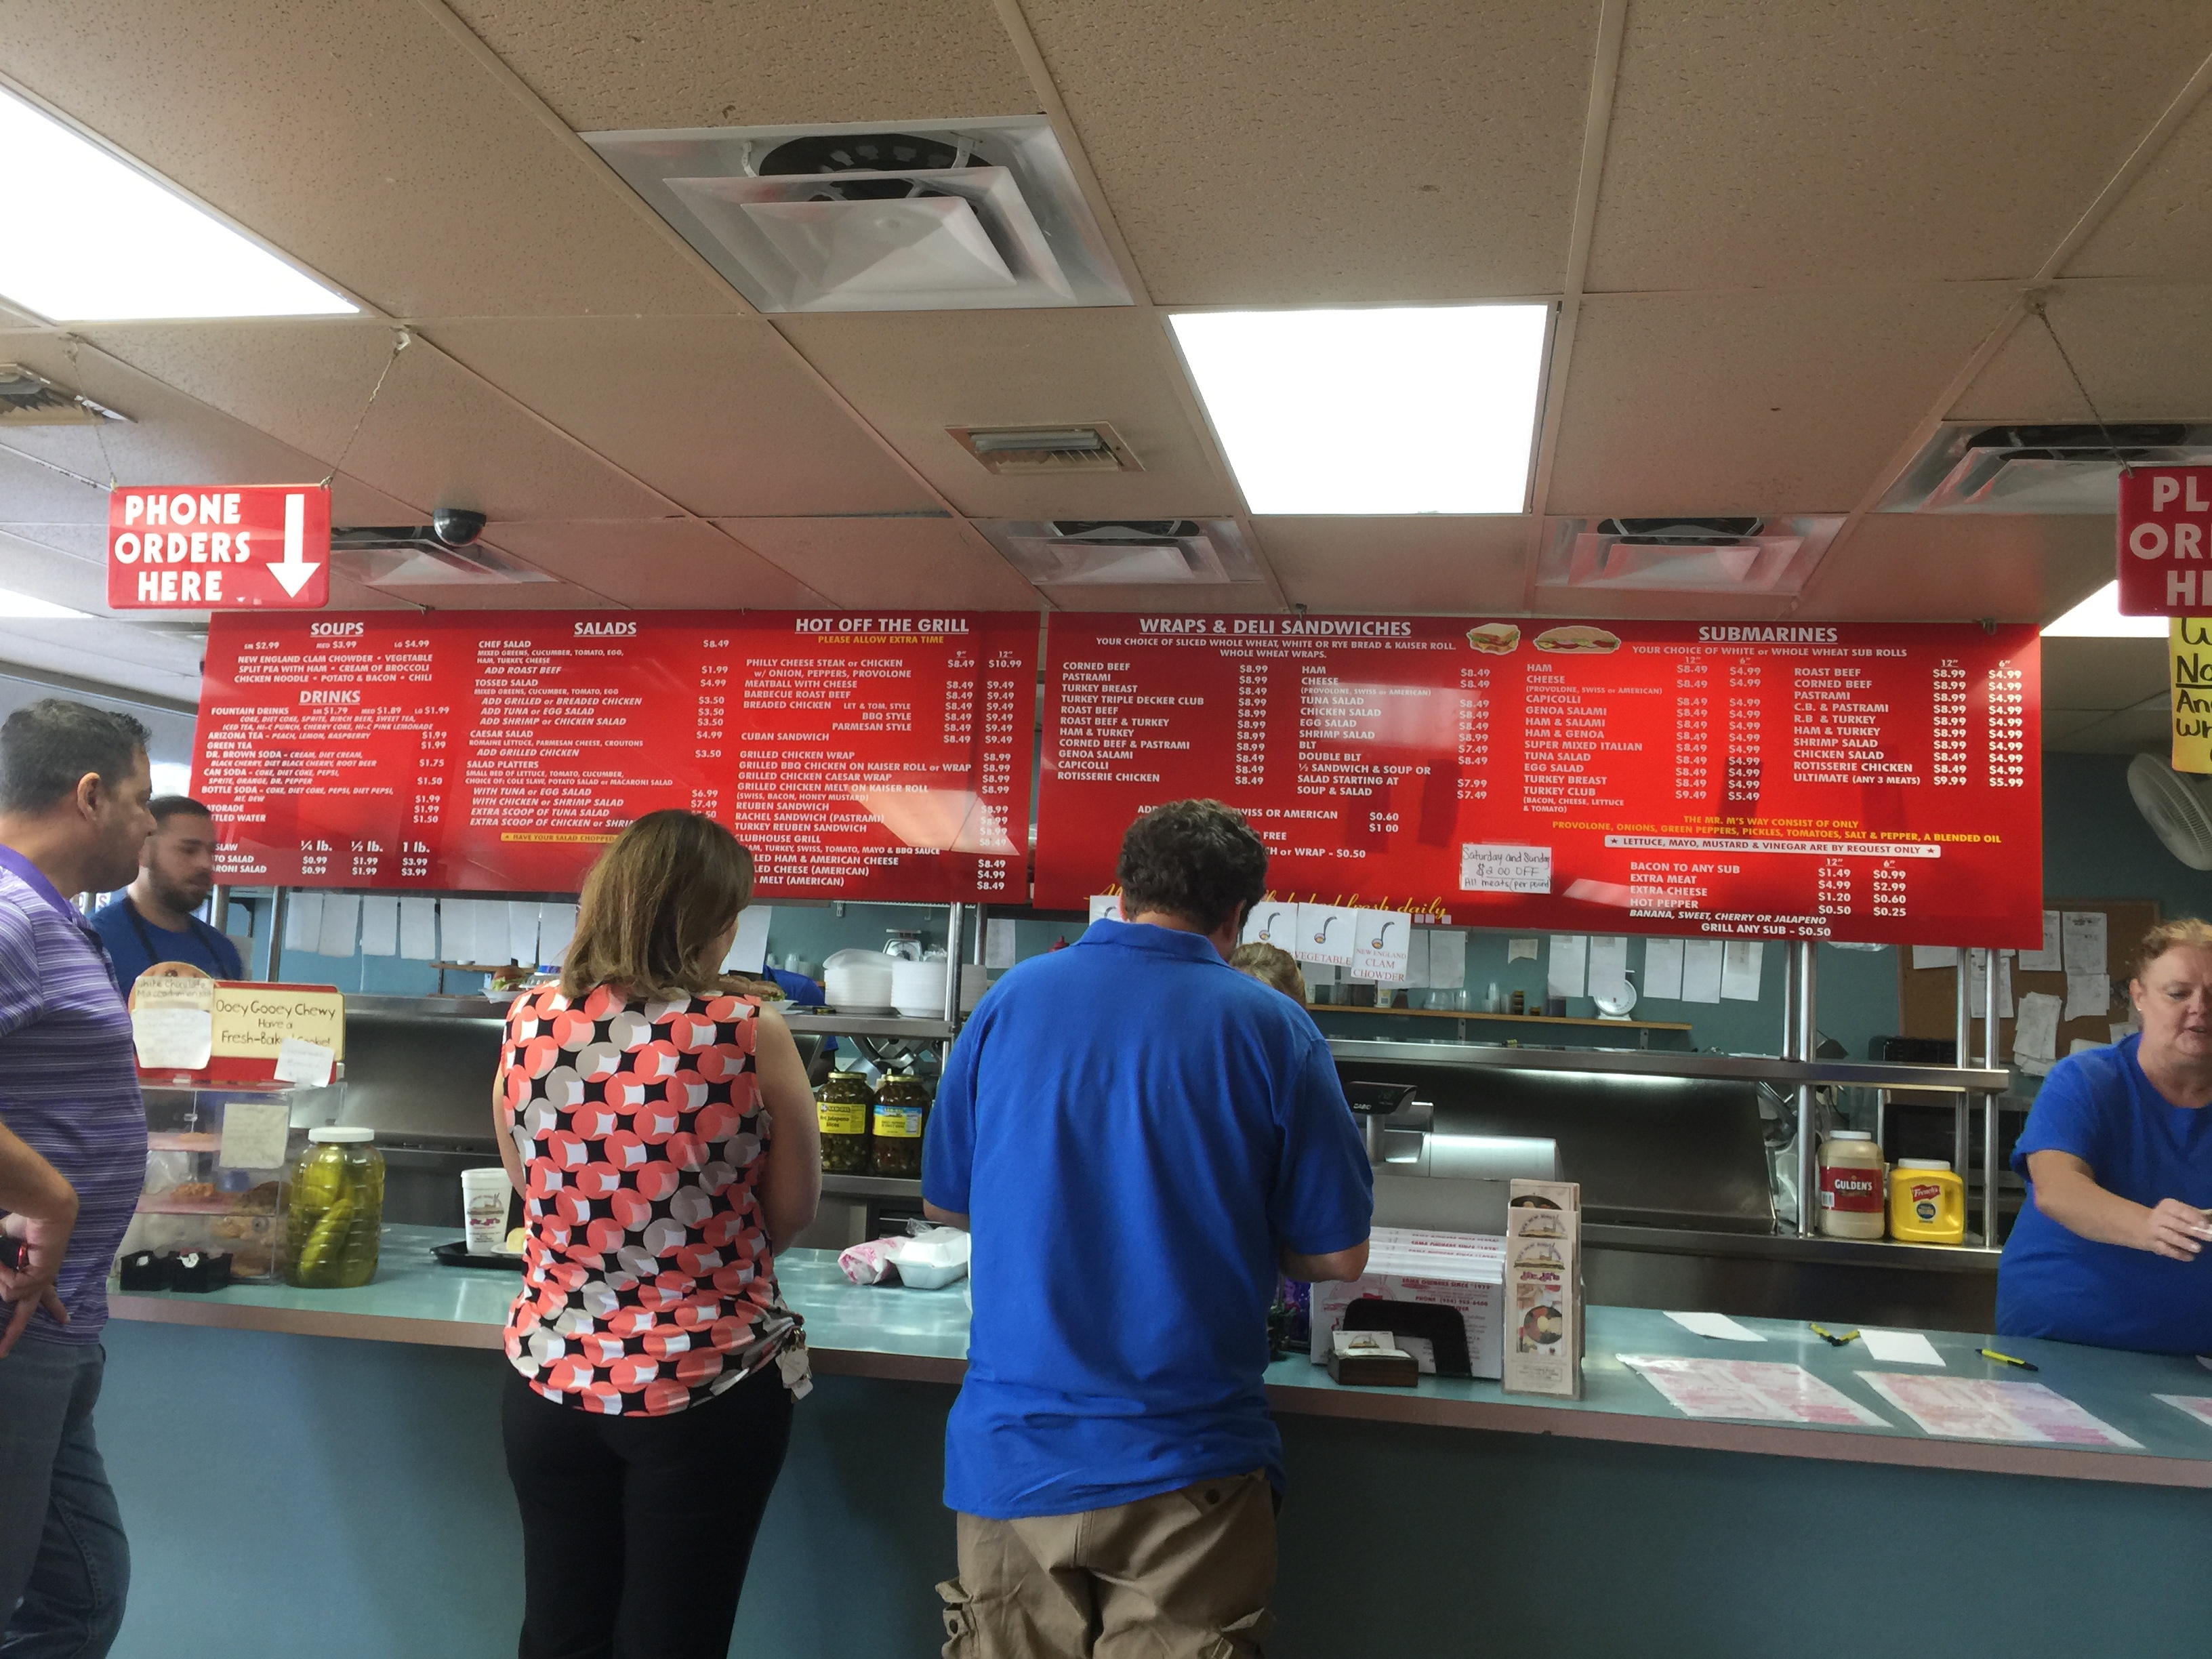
[(1832, 1339), (2006, 1359)]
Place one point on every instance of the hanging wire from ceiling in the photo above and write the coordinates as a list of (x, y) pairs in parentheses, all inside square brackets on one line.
[(401, 340), (2035, 305), (99, 416)]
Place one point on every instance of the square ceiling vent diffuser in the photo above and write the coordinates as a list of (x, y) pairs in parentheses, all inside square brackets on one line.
[(881, 216), (1973, 468), (1121, 552), (1686, 556)]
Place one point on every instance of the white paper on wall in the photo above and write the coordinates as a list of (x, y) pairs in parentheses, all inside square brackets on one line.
[(520, 945), (749, 950), (2036, 1036), (303, 922), (2084, 942), (1663, 968), (1417, 958), (998, 942), (1447, 959), (1608, 965), (1520, 949), (1934, 955), (556, 925), (2088, 996), (418, 929), (1382, 944), (1565, 968), (2050, 958), (1701, 971), (1740, 963), (379, 925), (1978, 981), (1325, 934), (341, 927)]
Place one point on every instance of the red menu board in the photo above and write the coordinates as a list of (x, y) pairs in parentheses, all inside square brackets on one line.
[(861, 758), (1875, 784)]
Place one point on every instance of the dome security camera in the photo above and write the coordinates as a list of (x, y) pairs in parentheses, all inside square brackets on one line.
[(456, 526)]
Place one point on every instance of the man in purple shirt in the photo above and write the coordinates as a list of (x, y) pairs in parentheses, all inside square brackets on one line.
[(74, 785)]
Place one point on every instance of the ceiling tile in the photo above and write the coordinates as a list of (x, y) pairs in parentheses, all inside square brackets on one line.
[(1170, 599), (1303, 154), (364, 138), (913, 374), (664, 564), (2102, 674), (1421, 566), (1903, 567), (532, 596), (2160, 229), (436, 437), (1753, 403), (868, 563), (2143, 350), (107, 652), (621, 64), (1883, 139), (716, 412)]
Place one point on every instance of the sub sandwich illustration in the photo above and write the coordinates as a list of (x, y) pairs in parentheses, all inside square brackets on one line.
[(1580, 639), (1499, 639)]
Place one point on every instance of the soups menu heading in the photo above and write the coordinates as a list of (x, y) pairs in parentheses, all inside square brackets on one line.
[(1875, 784), (882, 757)]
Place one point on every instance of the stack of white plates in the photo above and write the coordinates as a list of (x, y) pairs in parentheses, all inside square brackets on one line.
[(860, 982), (918, 990)]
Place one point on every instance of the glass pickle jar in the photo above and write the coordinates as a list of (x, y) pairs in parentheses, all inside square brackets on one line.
[(843, 1103), (902, 1114), (335, 1210)]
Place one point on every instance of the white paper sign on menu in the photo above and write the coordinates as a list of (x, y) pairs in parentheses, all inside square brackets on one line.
[(1382, 944), (1755, 1390), (1504, 869), (1271, 921), (1975, 1408), (1663, 968), (1326, 934)]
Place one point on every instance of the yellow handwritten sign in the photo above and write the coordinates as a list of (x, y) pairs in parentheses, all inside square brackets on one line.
[(253, 1020), (2189, 655)]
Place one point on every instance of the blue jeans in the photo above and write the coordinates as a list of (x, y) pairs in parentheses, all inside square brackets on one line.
[(64, 1563)]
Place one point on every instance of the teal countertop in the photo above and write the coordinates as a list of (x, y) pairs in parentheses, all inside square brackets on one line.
[(922, 1336)]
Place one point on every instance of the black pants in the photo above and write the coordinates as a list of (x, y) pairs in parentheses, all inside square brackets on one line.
[(636, 1531)]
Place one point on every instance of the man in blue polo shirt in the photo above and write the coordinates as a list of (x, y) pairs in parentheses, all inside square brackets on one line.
[(73, 793), (152, 920), (1138, 1138)]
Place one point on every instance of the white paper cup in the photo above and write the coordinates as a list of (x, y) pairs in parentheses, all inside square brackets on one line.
[(483, 1205)]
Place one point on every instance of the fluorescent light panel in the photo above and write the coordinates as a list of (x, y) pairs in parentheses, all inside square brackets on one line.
[(86, 237), (17, 607), (1384, 409), (2098, 617)]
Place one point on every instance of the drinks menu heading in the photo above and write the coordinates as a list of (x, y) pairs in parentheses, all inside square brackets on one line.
[(883, 756), (1875, 784)]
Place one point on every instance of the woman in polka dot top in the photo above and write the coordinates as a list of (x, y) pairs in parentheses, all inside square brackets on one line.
[(664, 1138)]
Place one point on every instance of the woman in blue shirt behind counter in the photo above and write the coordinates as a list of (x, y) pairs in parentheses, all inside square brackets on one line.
[(2110, 1248)]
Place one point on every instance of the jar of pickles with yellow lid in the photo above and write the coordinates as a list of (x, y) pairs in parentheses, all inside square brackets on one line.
[(843, 1104), (902, 1114)]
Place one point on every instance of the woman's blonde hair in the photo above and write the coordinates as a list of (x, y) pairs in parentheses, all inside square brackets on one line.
[(1271, 965), (654, 903), (2185, 934)]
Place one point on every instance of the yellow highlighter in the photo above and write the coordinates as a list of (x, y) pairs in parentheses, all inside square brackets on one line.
[(1832, 1339), (2006, 1359)]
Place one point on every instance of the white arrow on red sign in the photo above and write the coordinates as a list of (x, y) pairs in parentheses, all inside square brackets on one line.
[(179, 547)]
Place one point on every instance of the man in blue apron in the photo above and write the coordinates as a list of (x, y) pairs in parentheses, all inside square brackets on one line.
[(152, 920)]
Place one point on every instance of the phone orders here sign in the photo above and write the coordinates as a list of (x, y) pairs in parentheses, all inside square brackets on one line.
[(224, 547), (2166, 541)]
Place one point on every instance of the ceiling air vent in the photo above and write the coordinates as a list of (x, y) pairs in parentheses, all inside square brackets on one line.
[(29, 399), (1686, 556), (2039, 469), (1095, 552), (1094, 446), (964, 215), (415, 556)]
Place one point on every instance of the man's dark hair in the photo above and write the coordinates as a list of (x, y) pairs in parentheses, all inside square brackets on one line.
[(165, 807), (1196, 861), (45, 747)]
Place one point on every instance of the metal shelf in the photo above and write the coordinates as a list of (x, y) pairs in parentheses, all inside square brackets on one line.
[(883, 1025), (1637, 1062), (853, 1186)]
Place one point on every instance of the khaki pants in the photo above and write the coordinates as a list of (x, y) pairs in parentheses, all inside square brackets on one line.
[(1182, 1575)]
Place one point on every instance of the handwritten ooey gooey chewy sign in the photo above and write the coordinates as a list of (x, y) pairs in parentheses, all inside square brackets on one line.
[(228, 547)]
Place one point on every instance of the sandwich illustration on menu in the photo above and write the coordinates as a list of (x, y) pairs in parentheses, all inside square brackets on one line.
[(1499, 639), (1579, 639)]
